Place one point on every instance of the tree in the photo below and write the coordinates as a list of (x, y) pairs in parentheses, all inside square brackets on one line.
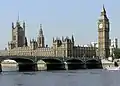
[(116, 53)]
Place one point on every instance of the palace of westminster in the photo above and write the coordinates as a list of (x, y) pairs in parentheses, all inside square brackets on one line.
[(64, 47)]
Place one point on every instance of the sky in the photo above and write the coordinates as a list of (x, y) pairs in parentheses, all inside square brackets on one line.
[(59, 18)]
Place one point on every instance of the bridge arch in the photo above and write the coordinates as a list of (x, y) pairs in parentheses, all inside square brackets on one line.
[(50, 64), (75, 64), (24, 64), (93, 64)]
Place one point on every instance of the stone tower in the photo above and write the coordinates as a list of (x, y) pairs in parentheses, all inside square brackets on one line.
[(103, 35), (40, 38), (18, 36)]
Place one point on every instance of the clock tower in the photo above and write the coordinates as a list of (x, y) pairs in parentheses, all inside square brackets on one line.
[(103, 35)]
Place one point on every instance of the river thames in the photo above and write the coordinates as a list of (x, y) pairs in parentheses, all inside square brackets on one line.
[(61, 78)]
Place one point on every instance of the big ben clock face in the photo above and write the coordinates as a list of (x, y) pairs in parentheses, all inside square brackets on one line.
[(101, 25)]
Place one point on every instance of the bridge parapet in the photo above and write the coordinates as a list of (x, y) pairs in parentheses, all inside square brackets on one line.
[(36, 58)]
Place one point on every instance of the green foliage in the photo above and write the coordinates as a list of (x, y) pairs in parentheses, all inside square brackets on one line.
[(117, 53)]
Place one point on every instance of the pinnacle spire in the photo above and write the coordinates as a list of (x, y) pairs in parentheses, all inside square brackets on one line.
[(40, 31), (40, 26), (18, 23), (103, 13), (103, 9), (12, 25), (72, 38), (24, 24), (18, 17)]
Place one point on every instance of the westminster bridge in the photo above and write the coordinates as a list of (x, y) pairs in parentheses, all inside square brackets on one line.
[(30, 63)]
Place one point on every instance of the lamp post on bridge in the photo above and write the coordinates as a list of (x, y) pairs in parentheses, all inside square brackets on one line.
[(84, 60), (64, 55), (84, 56), (8, 52)]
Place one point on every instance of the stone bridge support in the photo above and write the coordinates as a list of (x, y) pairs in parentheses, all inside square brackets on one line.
[(50, 64)]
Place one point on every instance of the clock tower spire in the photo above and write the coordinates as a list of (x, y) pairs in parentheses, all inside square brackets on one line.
[(103, 34)]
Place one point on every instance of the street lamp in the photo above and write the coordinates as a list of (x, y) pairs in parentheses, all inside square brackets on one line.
[(8, 52)]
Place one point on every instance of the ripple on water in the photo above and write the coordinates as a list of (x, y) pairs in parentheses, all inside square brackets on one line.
[(9, 73), (62, 78)]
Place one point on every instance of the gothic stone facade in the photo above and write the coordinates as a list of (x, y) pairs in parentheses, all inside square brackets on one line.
[(63, 47)]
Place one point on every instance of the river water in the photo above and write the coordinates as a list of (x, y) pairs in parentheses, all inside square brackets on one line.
[(61, 78)]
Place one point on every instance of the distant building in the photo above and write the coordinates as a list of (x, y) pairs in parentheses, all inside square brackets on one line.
[(61, 47), (113, 44)]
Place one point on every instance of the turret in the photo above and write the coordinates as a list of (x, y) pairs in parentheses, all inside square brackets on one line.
[(53, 39), (40, 31), (72, 39), (40, 38), (12, 25), (18, 34), (33, 44), (26, 43), (57, 42), (62, 38), (24, 25)]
